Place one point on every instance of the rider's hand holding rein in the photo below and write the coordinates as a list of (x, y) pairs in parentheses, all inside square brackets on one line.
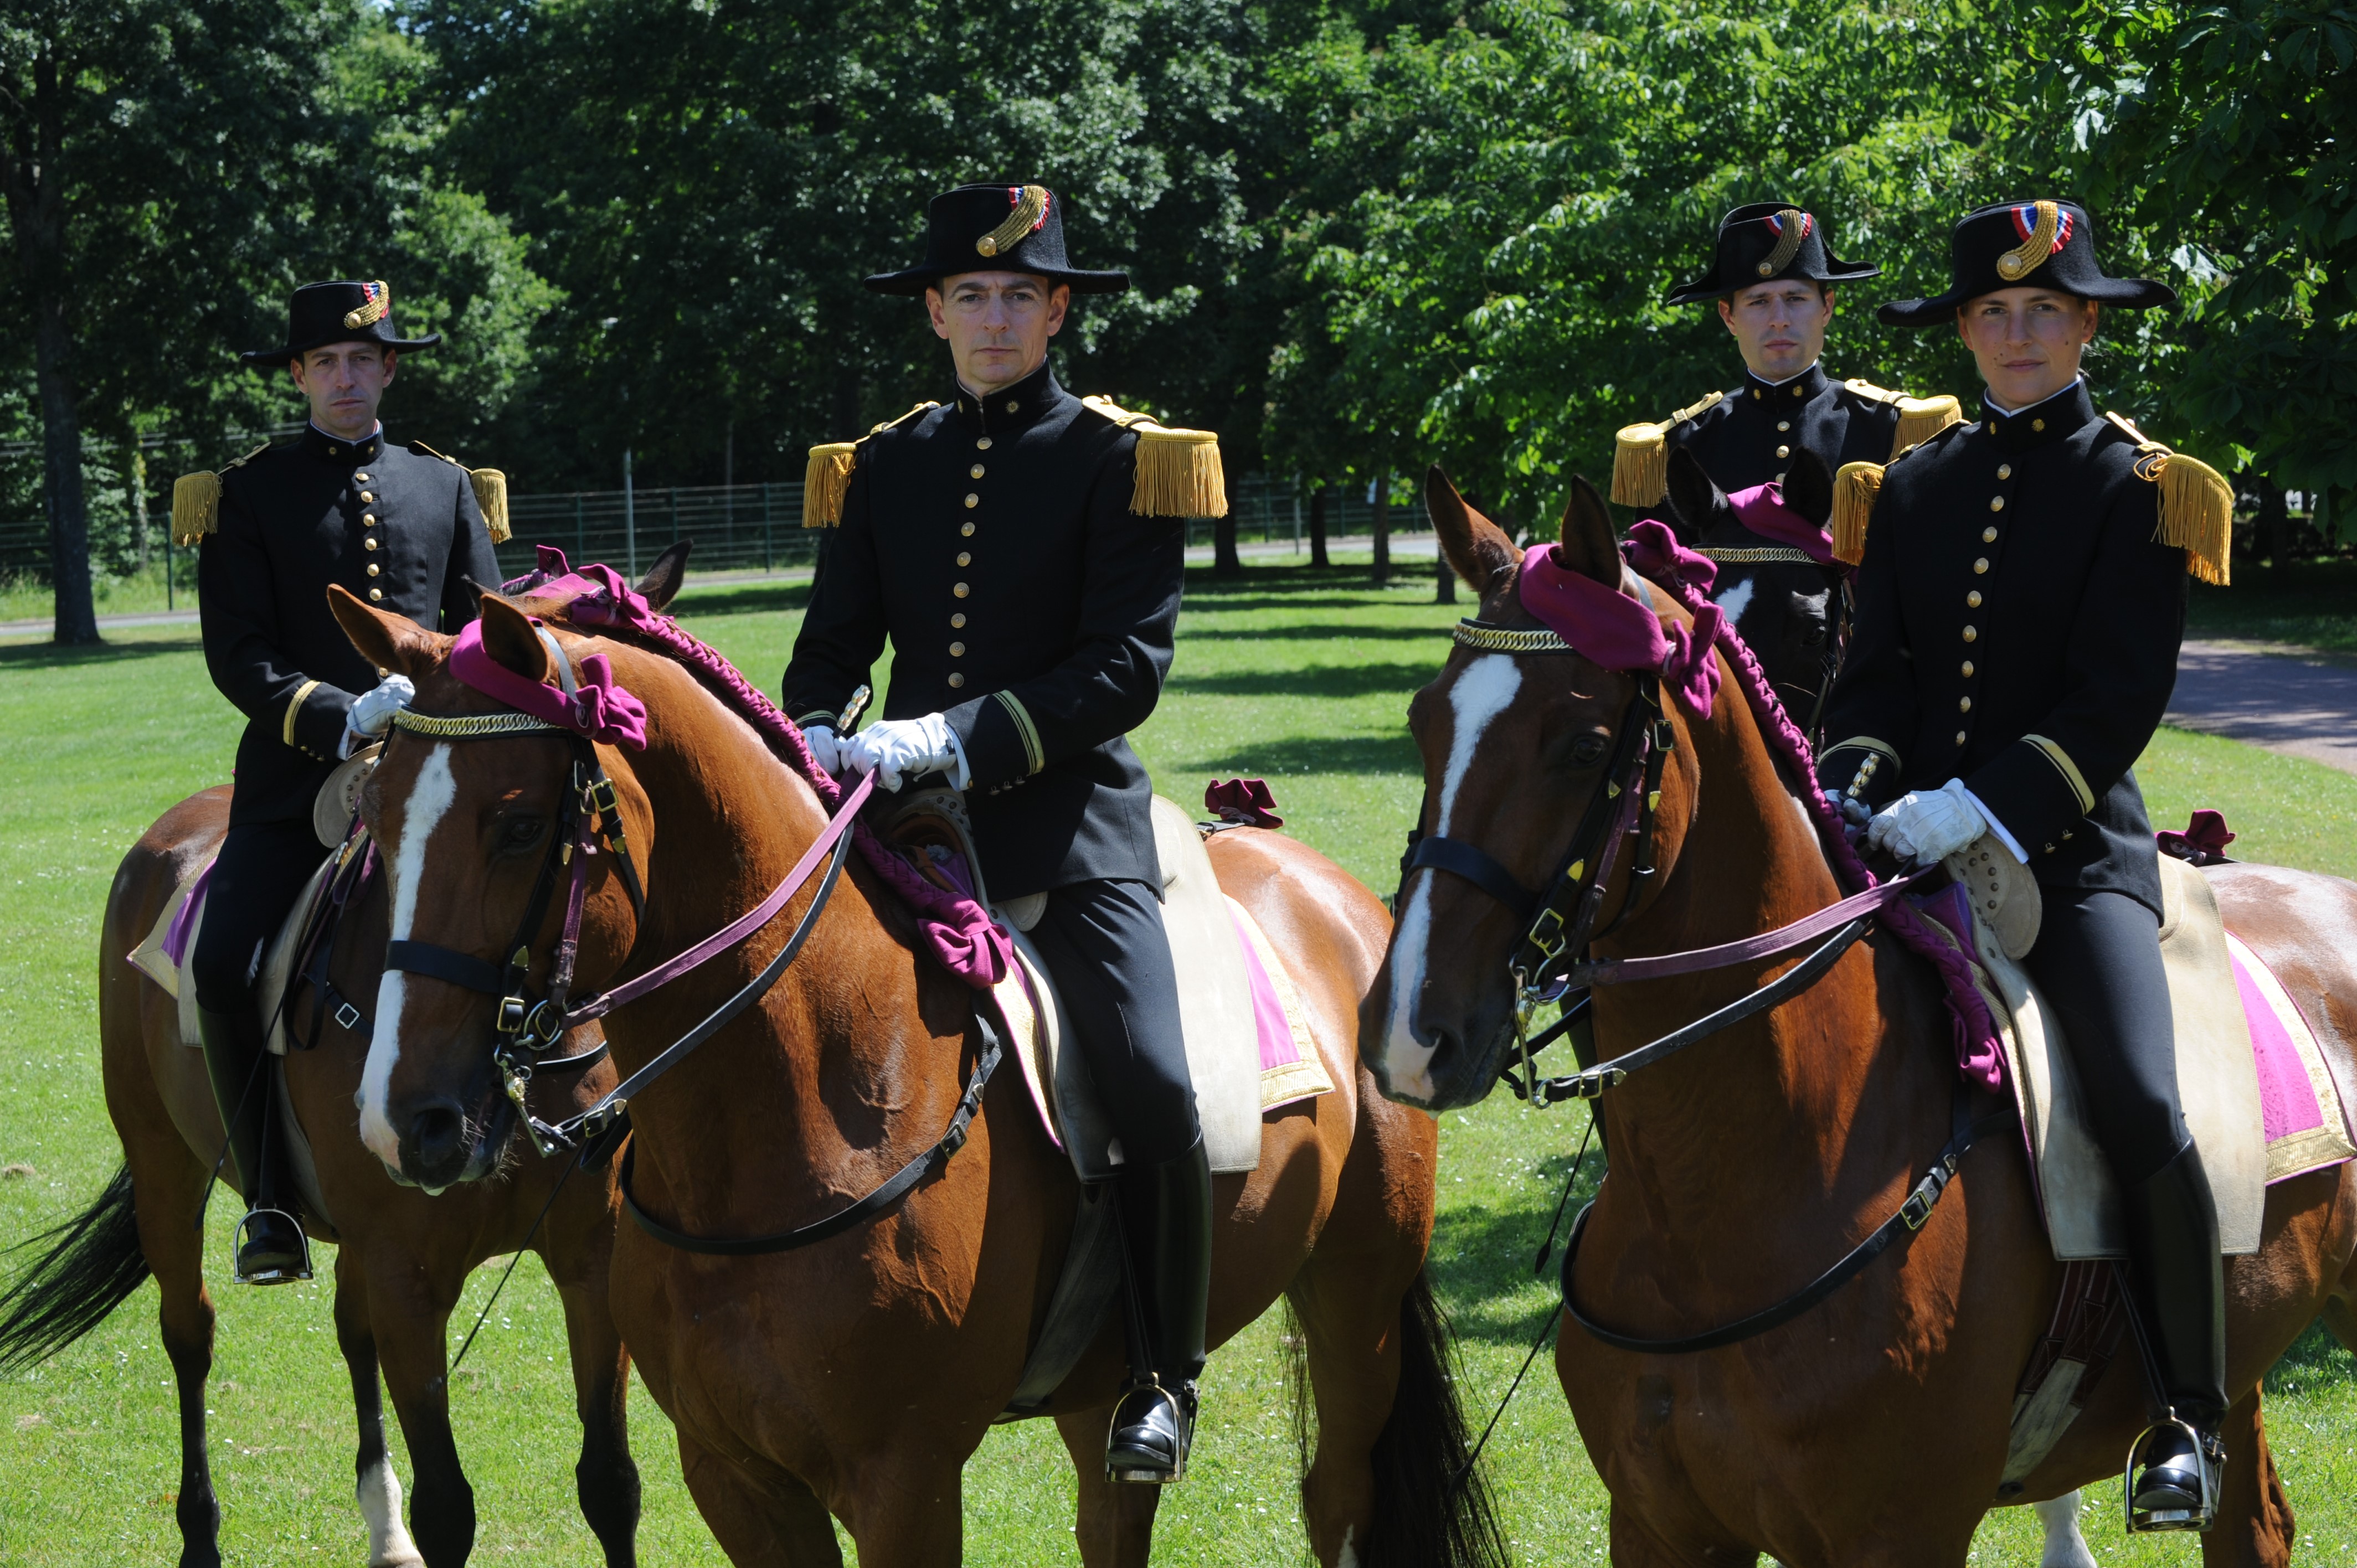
[(892, 748), (826, 747), (1924, 827), (372, 712)]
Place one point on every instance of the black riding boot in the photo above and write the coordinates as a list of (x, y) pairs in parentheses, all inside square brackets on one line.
[(2177, 1289), (1165, 1233), (270, 1247)]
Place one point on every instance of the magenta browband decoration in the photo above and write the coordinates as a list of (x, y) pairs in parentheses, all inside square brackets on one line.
[(1762, 510), (600, 708), (958, 930), (1606, 625)]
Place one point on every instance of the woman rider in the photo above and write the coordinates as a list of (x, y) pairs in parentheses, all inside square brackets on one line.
[(2020, 606)]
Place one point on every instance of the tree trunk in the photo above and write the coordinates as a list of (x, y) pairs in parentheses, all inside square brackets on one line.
[(137, 469), (1382, 526), (2274, 523), (37, 212), (1225, 562), (1318, 556), (1444, 581)]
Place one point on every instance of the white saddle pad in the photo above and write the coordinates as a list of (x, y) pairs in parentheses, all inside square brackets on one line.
[(150, 958), (1217, 1012), (2217, 1082)]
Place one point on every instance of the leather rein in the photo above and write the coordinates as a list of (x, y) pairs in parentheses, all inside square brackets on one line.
[(1562, 920), (525, 1029)]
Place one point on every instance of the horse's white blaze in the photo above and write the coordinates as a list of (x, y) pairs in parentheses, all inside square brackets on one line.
[(1348, 1556), (1479, 695), (1737, 599), (2065, 1547), (430, 797), (389, 1542)]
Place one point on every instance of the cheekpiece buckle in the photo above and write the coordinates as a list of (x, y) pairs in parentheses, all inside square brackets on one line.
[(1925, 1198), (513, 1013)]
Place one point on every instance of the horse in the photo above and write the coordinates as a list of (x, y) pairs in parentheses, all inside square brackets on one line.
[(853, 1377), (1870, 1427), (403, 1256)]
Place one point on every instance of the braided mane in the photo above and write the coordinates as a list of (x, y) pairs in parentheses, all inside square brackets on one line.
[(959, 931), (1669, 565)]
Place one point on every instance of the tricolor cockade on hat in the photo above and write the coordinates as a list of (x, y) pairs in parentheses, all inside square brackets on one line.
[(995, 229), (341, 312), (2024, 244), (1766, 240)]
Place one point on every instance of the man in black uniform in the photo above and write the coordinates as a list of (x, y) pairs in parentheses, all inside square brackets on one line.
[(1773, 278), (400, 526), (1024, 552), (2019, 610)]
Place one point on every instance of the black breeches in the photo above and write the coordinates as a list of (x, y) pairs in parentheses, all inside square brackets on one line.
[(261, 873), (2098, 961), (1104, 943)]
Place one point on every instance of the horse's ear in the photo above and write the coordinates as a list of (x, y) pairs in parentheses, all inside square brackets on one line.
[(1694, 497), (1477, 548), (1809, 487), (509, 639), (666, 576), (1588, 545), (394, 644)]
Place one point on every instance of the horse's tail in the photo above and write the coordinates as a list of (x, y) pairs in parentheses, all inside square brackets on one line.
[(1433, 1508), (92, 1264)]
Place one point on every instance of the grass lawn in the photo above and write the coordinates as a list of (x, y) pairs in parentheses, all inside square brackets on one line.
[(1294, 676)]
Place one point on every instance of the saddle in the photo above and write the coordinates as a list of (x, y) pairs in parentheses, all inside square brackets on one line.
[(1249, 1048), (2236, 1030)]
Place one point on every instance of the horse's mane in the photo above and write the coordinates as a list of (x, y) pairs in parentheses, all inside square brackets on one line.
[(1978, 1056), (954, 926)]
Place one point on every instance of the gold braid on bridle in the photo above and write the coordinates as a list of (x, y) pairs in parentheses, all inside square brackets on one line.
[(471, 727)]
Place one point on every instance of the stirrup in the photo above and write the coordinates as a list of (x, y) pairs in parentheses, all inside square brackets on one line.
[(277, 1276), (2209, 1458), (1144, 1469)]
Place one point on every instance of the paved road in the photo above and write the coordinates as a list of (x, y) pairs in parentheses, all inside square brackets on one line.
[(2303, 706)]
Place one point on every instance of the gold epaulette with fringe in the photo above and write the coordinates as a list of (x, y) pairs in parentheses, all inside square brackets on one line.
[(827, 480), (1178, 472), (1640, 455), (1919, 418), (490, 487), (2197, 504), (1855, 488), (196, 501)]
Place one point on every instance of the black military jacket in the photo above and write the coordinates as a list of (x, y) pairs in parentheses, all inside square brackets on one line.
[(991, 540), (395, 525), (1749, 436), (2018, 628)]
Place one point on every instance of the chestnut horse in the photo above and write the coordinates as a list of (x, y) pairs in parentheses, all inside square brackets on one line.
[(401, 1257), (1872, 1428), (854, 1376)]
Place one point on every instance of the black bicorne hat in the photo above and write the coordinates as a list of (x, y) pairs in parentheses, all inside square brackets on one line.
[(2024, 244), (995, 227), (342, 312), (1762, 243)]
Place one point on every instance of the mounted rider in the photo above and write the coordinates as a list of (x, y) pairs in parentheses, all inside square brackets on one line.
[(1023, 549), (2020, 605), (403, 527), (1774, 277)]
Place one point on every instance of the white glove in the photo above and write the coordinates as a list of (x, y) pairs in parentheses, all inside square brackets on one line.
[(826, 746), (372, 712), (895, 747), (1919, 828)]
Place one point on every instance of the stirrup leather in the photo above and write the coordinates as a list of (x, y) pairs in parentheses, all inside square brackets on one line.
[(2209, 1459), (237, 1236), (1182, 1427)]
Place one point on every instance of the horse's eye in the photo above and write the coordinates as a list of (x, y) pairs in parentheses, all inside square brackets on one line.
[(522, 833), (1588, 750), (1813, 634)]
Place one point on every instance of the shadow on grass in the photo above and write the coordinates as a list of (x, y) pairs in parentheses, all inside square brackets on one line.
[(1317, 680), (1326, 632), (1274, 758), (2316, 1362), (1481, 1258), (50, 656), (741, 598)]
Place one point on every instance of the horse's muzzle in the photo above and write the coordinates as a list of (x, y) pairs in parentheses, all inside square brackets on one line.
[(442, 1145)]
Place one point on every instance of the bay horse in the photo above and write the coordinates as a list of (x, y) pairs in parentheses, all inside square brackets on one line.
[(853, 1377), (402, 1257), (1870, 1428)]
